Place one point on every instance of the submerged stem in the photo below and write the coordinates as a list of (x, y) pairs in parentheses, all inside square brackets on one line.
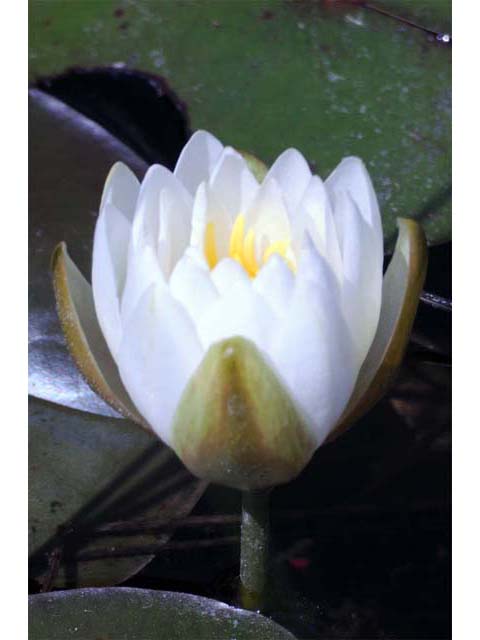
[(255, 536)]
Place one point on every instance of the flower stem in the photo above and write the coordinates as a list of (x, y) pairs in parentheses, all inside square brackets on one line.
[(255, 536)]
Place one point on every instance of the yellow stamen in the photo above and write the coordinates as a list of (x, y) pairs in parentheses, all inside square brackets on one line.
[(236, 239), (210, 246), (249, 259), (242, 248)]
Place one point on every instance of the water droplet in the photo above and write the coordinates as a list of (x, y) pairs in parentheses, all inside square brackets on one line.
[(444, 37), (334, 77)]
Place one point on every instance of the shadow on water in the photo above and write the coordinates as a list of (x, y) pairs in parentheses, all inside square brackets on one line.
[(137, 107)]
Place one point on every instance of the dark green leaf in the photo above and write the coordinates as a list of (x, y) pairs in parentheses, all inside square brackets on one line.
[(89, 477), (139, 614), (329, 78)]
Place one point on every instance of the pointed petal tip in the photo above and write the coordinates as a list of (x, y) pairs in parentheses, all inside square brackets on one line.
[(353, 161), (121, 188), (202, 133), (347, 165), (197, 159), (60, 248), (293, 154), (117, 168)]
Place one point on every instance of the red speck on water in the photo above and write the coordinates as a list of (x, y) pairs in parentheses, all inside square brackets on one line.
[(299, 564)]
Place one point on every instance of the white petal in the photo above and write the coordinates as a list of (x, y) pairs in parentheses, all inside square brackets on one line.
[(317, 218), (352, 176), (292, 174), (362, 272), (143, 271), (275, 282), (232, 182), (197, 256), (150, 250), (312, 349), (160, 232), (227, 273), (110, 246), (268, 215), (240, 312), (197, 160), (207, 208), (146, 221), (174, 232), (121, 189), (157, 356), (192, 286)]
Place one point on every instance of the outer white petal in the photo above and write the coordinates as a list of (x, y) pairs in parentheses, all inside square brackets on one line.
[(121, 189), (158, 354), (275, 282), (110, 246), (352, 176), (292, 174), (240, 312), (232, 182), (227, 273), (359, 229), (362, 272), (197, 160), (192, 286), (312, 350)]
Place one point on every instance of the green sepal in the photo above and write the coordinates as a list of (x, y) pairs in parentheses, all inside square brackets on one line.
[(236, 424)]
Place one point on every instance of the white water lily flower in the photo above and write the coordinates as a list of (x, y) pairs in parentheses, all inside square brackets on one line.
[(239, 313)]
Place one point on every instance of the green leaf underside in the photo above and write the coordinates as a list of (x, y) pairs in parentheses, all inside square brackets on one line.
[(140, 614), (331, 79), (86, 472)]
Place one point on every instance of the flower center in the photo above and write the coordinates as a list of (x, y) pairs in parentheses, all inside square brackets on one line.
[(242, 248)]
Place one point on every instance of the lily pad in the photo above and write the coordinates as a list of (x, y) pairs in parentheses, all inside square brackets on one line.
[(330, 78), (70, 157), (88, 476), (140, 614)]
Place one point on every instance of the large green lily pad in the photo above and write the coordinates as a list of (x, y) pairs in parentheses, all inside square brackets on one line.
[(330, 78), (140, 614), (88, 477)]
